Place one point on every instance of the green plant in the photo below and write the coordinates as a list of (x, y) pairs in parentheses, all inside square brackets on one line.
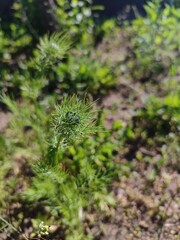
[(155, 41), (72, 120), (28, 23), (16, 42), (171, 150), (65, 189), (156, 126), (84, 73), (52, 50), (76, 17), (163, 113), (65, 183), (4, 166)]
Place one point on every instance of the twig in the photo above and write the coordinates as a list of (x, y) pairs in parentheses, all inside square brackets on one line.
[(8, 224), (12, 227)]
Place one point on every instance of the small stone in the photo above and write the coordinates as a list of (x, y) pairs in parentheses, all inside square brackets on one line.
[(53, 228), (143, 224)]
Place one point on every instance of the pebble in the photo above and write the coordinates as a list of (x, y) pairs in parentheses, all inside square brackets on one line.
[(143, 224)]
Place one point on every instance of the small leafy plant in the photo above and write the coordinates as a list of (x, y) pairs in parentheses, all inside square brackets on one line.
[(68, 190), (76, 17), (85, 73), (64, 187), (155, 41), (72, 120), (156, 126)]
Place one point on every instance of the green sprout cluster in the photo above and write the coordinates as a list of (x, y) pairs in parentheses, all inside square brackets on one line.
[(52, 49), (73, 119)]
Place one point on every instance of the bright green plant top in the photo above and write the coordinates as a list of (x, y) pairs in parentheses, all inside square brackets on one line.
[(73, 119), (52, 49)]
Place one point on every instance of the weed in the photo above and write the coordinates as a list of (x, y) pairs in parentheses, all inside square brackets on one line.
[(84, 73), (66, 187), (155, 41)]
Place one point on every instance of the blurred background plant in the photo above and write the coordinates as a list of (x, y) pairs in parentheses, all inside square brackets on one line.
[(155, 42), (84, 73)]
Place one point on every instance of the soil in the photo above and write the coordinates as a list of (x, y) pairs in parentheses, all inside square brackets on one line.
[(4, 120), (146, 209)]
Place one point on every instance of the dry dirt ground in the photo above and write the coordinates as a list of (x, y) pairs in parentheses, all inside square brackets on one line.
[(4, 119), (146, 209)]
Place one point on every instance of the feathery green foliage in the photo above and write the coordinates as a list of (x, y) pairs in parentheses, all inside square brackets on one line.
[(73, 119), (67, 188), (52, 49)]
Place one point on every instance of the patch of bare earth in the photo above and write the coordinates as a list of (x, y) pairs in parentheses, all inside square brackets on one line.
[(151, 209), (4, 120), (146, 209)]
